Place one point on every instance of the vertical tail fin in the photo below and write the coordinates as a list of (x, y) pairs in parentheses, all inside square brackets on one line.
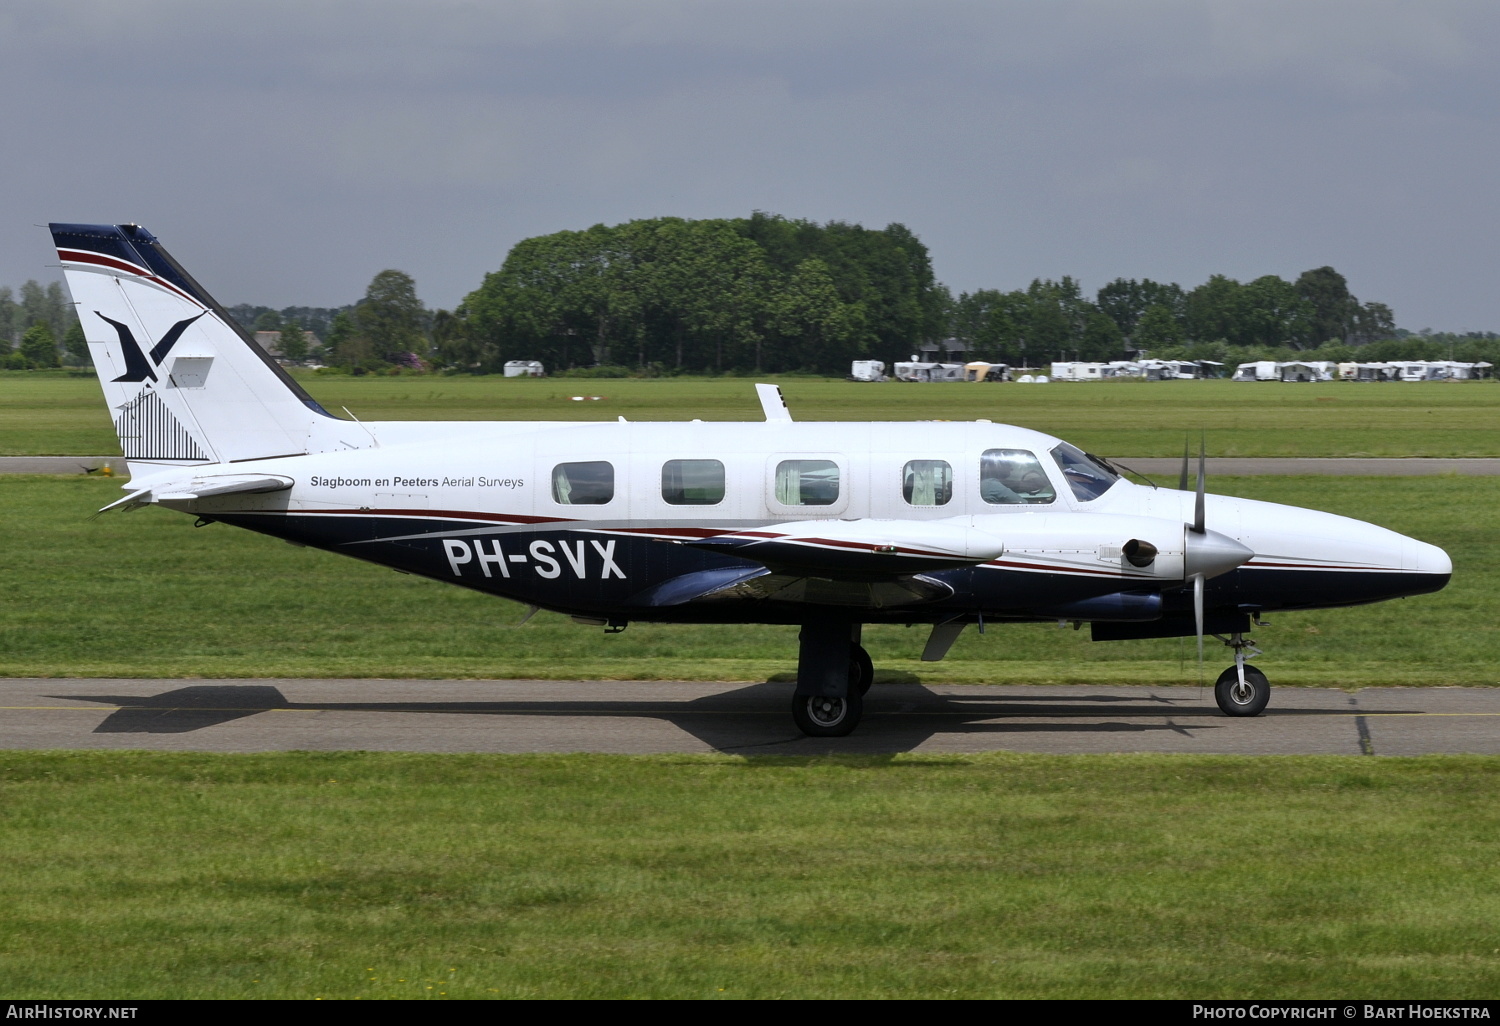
[(184, 383)]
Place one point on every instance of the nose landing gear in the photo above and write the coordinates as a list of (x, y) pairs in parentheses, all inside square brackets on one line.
[(1241, 690)]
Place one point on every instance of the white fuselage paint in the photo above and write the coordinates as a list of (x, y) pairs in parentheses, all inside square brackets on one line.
[(464, 471)]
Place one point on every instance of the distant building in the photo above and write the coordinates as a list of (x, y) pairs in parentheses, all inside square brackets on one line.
[(270, 341)]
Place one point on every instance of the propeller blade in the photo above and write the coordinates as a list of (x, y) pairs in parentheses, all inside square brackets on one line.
[(1198, 525), (1187, 448), (1198, 618)]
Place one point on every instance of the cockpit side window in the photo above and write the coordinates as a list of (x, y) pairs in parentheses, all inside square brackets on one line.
[(807, 482), (1088, 476), (583, 484), (927, 483), (1013, 477)]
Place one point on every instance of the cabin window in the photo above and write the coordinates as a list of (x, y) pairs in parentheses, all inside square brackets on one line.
[(692, 482), (807, 482), (1013, 477), (927, 483), (1088, 476), (583, 484)]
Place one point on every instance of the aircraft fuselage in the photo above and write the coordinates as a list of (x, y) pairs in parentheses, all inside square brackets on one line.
[(486, 506)]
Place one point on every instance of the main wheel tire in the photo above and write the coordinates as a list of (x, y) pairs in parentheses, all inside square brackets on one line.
[(817, 716), (861, 669), (1249, 700)]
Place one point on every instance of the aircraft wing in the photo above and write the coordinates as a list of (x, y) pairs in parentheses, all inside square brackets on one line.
[(859, 549), (862, 563)]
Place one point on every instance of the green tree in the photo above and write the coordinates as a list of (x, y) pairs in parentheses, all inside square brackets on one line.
[(1156, 329), (1333, 308), (810, 316), (46, 305), (293, 343), (453, 341), (10, 320), (1270, 312), (347, 347), (391, 317), (1372, 322), (1102, 339), (886, 272), (714, 295), (76, 345), (39, 346), (1211, 310), (1125, 301)]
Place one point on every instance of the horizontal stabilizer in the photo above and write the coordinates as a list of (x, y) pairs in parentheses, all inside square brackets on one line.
[(187, 488), (859, 549)]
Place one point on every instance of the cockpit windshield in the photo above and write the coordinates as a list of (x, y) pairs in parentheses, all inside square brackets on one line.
[(1088, 476)]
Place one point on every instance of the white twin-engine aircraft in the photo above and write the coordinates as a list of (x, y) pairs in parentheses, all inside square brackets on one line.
[(827, 526)]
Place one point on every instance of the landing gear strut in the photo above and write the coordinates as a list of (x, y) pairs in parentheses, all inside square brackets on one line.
[(833, 674), (1241, 690)]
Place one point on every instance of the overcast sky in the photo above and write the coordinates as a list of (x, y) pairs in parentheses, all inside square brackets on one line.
[(286, 152)]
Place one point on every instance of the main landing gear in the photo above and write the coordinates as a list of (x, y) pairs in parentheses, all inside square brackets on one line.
[(1241, 690), (833, 674)]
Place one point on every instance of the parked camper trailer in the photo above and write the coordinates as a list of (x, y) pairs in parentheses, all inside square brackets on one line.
[(867, 370), (1312, 370), (524, 369), (1064, 371), (918, 370), (1260, 370), (979, 370)]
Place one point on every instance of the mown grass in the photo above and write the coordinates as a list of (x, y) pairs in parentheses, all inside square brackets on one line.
[(343, 875), (45, 413), (146, 594)]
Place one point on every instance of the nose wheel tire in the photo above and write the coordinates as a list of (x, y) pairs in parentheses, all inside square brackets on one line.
[(1247, 699), (817, 716)]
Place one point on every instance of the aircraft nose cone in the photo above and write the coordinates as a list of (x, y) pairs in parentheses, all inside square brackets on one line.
[(1425, 558), (1212, 554)]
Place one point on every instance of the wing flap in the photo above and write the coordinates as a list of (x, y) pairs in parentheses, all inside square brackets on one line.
[(859, 549)]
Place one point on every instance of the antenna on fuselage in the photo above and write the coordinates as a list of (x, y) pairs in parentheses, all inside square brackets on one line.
[(774, 404)]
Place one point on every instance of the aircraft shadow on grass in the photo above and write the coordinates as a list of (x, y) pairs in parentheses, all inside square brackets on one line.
[(747, 720)]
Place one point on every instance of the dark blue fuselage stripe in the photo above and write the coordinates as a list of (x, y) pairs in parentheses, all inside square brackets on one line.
[(589, 573)]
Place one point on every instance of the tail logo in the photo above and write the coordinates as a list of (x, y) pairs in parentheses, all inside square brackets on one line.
[(137, 367), (146, 426)]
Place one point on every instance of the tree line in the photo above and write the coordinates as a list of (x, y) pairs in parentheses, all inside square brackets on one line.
[(672, 295), (766, 293), (770, 294), (39, 328), (1053, 319)]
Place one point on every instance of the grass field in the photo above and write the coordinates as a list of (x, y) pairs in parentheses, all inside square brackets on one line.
[(134, 874), (146, 594), (56, 414), (367, 875)]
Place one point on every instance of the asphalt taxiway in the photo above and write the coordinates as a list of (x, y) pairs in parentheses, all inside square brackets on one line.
[(687, 716)]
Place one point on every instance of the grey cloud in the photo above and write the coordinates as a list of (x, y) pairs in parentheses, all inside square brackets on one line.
[(293, 149)]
